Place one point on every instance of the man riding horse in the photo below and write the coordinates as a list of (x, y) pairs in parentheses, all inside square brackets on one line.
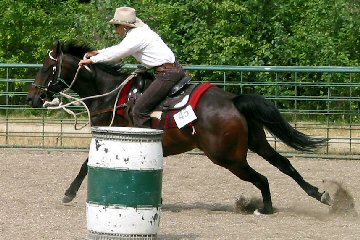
[(226, 126), (150, 50)]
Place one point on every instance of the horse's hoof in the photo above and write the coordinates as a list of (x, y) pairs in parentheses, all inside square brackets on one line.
[(262, 211), (257, 212), (325, 198), (67, 199)]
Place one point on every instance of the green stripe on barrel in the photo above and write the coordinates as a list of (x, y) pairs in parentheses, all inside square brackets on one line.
[(131, 188)]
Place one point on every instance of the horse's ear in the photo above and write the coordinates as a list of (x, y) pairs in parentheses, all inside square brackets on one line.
[(57, 50)]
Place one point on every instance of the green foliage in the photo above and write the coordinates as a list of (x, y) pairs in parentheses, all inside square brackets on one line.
[(209, 32), (252, 32)]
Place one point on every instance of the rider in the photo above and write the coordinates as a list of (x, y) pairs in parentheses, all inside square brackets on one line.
[(148, 48)]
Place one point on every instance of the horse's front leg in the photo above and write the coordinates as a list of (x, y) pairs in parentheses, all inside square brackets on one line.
[(70, 193)]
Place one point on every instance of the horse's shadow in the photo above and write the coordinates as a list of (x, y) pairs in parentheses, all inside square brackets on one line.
[(342, 205), (242, 205), (214, 207)]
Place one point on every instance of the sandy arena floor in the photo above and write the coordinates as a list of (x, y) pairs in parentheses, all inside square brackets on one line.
[(199, 199)]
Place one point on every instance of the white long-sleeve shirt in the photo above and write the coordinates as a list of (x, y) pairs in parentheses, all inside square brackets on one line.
[(143, 44)]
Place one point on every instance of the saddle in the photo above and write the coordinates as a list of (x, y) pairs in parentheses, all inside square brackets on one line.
[(182, 97)]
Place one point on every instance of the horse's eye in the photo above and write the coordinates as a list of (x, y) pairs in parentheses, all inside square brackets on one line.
[(46, 69)]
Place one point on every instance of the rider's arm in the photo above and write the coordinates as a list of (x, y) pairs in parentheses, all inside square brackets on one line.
[(132, 43)]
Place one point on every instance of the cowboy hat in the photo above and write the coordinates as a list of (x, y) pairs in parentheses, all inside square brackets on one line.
[(126, 16)]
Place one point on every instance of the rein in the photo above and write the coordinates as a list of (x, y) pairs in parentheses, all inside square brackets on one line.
[(59, 78), (56, 104), (81, 100)]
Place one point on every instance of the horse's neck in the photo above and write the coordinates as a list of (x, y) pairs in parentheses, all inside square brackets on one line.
[(94, 83), (100, 84), (87, 82), (106, 83)]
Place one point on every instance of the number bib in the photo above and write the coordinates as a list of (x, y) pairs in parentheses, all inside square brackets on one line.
[(185, 116)]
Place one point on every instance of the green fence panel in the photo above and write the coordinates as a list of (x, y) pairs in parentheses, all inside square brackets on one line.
[(320, 101)]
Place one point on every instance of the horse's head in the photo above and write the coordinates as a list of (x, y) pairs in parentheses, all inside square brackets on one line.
[(48, 80), (60, 71)]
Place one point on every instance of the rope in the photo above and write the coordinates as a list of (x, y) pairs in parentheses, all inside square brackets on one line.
[(53, 104), (75, 77)]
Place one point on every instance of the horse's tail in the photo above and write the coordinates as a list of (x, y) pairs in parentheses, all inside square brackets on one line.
[(256, 108)]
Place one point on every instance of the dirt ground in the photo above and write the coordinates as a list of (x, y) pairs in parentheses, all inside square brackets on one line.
[(199, 199)]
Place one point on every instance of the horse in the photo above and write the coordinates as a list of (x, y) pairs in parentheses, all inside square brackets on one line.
[(226, 127)]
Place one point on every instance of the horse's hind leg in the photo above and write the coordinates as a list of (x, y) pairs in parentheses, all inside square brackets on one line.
[(227, 146), (246, 173), (71, 192), (259, 145), (233, 158)]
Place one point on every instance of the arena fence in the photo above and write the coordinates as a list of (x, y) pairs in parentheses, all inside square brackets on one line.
[(320, 101)]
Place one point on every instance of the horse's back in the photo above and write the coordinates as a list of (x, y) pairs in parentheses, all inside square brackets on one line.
[(216, 104)]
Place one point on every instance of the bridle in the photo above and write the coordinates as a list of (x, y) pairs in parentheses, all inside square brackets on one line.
[(55, 79)]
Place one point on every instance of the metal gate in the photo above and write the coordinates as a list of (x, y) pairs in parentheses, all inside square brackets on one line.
[(320, 101)]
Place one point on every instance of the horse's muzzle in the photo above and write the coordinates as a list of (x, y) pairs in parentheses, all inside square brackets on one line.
[(35, 98)]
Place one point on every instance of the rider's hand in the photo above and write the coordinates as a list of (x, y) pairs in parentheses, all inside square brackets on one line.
[(85, 62), (90, 54)]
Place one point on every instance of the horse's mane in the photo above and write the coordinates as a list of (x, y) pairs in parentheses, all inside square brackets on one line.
[(79, 51), (75, 49)]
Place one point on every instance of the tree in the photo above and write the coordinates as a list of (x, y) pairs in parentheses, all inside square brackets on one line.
[(252, 32)]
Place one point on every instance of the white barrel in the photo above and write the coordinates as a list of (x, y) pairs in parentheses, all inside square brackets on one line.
[(124, 183)]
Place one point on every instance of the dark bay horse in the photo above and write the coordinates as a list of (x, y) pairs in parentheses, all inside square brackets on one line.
[(227, 125)]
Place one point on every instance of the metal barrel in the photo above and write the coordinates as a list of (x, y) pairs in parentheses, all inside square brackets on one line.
[(124, 183)]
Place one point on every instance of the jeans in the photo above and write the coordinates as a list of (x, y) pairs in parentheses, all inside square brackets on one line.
[(154, 94)]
